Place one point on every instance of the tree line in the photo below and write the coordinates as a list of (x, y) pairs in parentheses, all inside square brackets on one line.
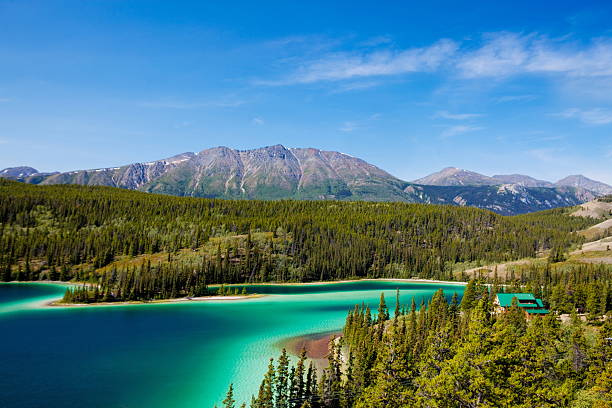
[(86, 234)]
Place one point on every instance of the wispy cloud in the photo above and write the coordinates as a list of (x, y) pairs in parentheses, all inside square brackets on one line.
[(352, 65), (595, 116), (172, 104), (376, 41), (515, 98), (458, 130), (495, 55), (456, 116), (545, 154), (364, 123), (349, 127), (258, 121), (4, 100), (504, 54), (356, 86)]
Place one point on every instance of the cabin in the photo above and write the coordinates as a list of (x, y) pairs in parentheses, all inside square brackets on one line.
[(526, 301)]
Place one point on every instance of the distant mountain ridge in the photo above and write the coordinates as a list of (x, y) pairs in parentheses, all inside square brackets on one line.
[(277, 172), (453, 176), (580, 181)]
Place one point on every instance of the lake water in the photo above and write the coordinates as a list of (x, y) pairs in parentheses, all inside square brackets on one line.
[(164, 355)]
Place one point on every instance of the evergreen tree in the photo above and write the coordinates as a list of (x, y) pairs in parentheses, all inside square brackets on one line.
[(383, 312), (229, 401)]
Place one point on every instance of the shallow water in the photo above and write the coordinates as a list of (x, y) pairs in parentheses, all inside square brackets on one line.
[(161, 355)]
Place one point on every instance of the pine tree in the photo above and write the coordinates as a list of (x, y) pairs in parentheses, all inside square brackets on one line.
[(229, 401), (282, 381), (265, 398), (383, 312), (397, 304), (469, 296)]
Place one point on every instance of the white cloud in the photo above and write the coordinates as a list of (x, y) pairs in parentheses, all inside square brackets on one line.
[(356, 86), (496, 55), (456, 116), (349, 127), (258, 121), (515, 98), (458, 130), (504, 54), (171, 104), (546, 154), (376, 41), (352, 65), (364, 123), (595, 116)]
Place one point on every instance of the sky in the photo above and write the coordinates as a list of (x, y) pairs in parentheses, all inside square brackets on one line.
[(412, 87)]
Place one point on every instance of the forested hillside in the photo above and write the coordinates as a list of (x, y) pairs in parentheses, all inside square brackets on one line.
[(139, 246)]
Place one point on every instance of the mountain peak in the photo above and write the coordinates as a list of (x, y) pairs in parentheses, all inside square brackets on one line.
[(18, 172), (454, 176), (580, 181)]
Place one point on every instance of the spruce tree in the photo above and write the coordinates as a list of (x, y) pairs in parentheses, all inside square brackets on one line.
[(383, 312), (229, 401)]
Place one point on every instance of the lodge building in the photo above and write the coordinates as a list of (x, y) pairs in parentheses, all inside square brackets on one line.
[(526, 301)]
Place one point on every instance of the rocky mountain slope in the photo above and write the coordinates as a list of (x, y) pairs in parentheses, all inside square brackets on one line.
[(453, 176), (273, 172), (580, 181), (277, 172), (18, 172), (521, 179)]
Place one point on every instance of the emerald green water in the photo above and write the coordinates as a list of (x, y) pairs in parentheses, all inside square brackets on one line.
[(164, 355)]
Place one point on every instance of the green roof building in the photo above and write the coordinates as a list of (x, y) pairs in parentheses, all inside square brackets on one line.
[(526, 301)]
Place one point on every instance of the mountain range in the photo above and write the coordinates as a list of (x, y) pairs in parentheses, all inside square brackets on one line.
[(453, 176), (277, 172)]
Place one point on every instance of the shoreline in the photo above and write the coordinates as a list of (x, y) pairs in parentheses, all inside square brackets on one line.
[(55, 303), (408, 280)]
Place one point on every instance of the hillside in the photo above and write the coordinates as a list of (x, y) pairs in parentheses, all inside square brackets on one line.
[(505, 199), (122, 238)]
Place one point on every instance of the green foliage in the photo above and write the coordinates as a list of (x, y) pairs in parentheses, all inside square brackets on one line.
[(139, 246)]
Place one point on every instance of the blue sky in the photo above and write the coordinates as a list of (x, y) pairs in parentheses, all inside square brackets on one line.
[(524, 87)]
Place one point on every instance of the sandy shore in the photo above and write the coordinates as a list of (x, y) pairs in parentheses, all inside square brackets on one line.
[(56, 302)]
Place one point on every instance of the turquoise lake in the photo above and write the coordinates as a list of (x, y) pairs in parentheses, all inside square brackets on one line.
[(164, 355)]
